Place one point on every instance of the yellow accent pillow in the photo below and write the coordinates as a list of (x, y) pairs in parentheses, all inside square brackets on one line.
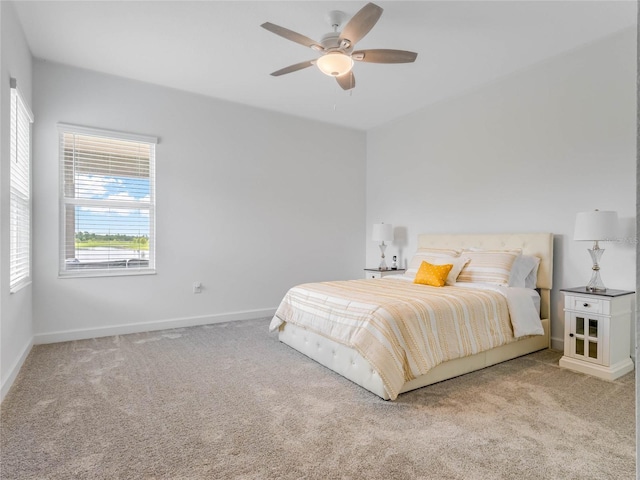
[(433, 275)]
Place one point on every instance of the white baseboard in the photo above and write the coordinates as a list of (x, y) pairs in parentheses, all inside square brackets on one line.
[(81, 334), (557, 344), (13, 372)]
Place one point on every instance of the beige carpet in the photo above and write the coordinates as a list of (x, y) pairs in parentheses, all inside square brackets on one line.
[(229, 401)]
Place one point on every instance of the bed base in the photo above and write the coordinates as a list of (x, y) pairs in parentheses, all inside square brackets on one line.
[(350, 364)]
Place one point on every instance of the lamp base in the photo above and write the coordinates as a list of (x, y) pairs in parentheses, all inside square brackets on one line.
[(383, 264), (595, 284)]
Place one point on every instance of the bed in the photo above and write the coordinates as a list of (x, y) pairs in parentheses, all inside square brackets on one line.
[(377, 344)]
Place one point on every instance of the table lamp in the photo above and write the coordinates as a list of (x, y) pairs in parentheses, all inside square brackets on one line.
[(382, 232), (596, 226)]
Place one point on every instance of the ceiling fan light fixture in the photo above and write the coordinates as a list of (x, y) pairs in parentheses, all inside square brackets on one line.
[(335, 64)]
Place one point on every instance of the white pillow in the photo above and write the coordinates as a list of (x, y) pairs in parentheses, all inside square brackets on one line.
[(532, 279), (524, 272)]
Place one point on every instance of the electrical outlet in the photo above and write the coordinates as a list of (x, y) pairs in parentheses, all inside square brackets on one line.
[(197, 287)]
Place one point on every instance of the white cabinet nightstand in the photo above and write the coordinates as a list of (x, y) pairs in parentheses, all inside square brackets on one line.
[(596, 332), (377, 273)]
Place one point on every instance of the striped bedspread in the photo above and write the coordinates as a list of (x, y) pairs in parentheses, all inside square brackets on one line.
[(402, 329)]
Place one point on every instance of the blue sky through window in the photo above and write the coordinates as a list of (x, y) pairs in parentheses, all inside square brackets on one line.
[(104, 219)]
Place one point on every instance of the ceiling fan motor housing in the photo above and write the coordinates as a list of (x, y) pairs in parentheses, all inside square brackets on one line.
[(331, 41)]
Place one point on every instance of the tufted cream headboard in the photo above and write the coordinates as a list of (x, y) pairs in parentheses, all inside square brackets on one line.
[(538, 244)]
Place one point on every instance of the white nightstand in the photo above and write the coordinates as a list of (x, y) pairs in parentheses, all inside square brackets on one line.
[(596, 332), (377, 273)]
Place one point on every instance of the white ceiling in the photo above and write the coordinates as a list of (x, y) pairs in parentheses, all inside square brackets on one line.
[(217, 48)]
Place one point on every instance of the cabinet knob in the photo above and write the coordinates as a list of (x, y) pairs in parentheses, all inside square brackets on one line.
[(585, 305), (571, 334)]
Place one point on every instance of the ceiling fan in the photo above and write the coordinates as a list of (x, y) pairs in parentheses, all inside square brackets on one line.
[(336, 48)]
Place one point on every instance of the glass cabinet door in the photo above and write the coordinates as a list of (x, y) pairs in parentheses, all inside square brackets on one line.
[(586, 338)]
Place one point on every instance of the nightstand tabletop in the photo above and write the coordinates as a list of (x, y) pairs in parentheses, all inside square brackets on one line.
[(609, 292)]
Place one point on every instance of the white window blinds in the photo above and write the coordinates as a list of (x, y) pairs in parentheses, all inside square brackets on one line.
[(108, 202), (19, 191)]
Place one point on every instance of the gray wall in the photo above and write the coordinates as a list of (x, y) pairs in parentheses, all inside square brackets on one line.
[(523, 154), (637, 319), (16, 329), (249, 203)]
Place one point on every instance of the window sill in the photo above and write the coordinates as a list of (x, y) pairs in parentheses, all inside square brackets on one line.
[(19, 286), (104, 273)]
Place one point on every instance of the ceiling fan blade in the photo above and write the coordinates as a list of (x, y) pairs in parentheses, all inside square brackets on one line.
[(293, 68), (347, 81), (293, 36), (361, 23), (383, 55)]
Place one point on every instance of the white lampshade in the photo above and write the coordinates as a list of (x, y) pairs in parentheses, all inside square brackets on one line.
[(334, 64), (596, 225), (382, 232)]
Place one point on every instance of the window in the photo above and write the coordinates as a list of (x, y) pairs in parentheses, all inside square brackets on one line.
[(108, 202), (19, 191)]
